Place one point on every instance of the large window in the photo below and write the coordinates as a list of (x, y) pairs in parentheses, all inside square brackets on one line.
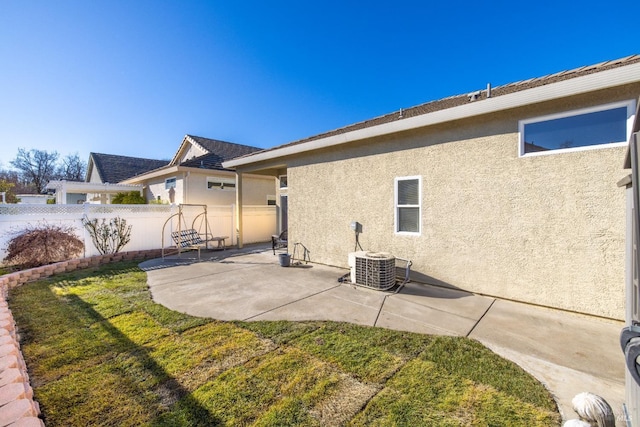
[(407, 205), (576, 130)]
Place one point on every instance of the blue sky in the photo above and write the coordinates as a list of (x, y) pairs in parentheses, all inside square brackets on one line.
[(133, 77)]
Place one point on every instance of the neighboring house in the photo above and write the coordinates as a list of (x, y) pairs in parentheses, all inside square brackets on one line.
[(195, 175), (509, 191), (113, 169), (33, 199), (77, 192)]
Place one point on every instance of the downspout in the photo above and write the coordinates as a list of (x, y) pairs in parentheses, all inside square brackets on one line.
[(185, 188)]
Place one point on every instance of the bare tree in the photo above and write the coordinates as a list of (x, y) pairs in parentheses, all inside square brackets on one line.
[(72, 168), (36, 166)]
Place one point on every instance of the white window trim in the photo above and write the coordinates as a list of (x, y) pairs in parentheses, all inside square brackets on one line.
[(272, 198), (631, 109), (280, 182), (222, 180), (175, 183), (395, 206)]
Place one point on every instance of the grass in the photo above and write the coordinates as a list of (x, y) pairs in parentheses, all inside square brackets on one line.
[(101, 352)]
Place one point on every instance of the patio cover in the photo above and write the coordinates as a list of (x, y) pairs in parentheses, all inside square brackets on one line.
[(78, 187)]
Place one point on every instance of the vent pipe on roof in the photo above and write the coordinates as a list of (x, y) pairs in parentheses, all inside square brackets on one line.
[(488, 90), (400, 116)]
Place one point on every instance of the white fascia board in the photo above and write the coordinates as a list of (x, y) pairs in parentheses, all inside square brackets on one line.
[(173, 170), (153, 174), (589, 83), (91, 187), (174, 160)]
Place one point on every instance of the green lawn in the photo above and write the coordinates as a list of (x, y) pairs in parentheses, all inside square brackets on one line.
[(101, 352)]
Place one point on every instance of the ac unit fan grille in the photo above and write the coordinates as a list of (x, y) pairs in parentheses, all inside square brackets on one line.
[(376, 273)]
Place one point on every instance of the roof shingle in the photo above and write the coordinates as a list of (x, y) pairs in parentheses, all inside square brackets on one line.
[(456, 100), (113, 168), (219, 151)]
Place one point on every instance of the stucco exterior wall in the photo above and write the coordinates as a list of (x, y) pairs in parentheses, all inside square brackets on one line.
[(190, 153), (254, 191), (192, 189), (95, 176), (156, 187), (547, 230)]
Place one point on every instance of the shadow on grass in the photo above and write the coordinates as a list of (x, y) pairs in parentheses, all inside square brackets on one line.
[(182, 408)]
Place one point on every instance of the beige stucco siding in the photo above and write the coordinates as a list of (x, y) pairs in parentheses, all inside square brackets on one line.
[(155, 187), (254, 191), (191, 153), (191, 188), (547, 229), (95, 176)]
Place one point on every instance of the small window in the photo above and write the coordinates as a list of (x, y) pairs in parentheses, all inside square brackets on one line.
[(271, 200), (576, 130), (221, 183), (407, 205), (169, 183), (283, 181)]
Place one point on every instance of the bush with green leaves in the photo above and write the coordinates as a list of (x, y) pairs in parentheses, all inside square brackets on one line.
[(108, 237), (130, 198), (43, 244)]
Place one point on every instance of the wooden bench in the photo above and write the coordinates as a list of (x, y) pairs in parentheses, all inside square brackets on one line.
[(191, 239)]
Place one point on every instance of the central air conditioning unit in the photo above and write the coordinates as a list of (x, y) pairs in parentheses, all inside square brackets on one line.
[(376, 270)]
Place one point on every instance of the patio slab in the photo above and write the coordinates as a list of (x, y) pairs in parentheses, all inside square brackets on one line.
[(568, 353), (340, 303)]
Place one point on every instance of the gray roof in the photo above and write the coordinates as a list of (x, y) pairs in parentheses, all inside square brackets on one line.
[(219, 151), (456, 100), (113, 168)]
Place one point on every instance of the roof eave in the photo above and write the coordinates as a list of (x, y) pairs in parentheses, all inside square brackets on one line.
[(90, 187), (186, 140), (151, 174), (591, 82), (172, 170)]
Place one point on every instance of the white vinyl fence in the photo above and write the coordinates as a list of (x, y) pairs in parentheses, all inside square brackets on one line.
[(147, 222)]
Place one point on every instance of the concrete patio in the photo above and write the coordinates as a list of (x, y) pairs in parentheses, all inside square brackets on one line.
[(569, 353)]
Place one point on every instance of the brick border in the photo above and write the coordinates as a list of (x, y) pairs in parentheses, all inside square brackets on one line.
[(17, 406)]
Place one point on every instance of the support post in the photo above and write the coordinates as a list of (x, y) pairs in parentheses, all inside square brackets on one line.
[(239, 207)]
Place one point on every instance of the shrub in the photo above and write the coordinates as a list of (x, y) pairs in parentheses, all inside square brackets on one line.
[(43, 244), (108, 237), (130, 198)]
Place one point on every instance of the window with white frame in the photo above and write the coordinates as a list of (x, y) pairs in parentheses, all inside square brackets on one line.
[(283, 182), (408, 204), (218, 183), (271, 200), (578, 129), (170, 183)]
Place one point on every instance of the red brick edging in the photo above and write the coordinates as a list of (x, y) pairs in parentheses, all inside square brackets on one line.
[(17, 406)]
